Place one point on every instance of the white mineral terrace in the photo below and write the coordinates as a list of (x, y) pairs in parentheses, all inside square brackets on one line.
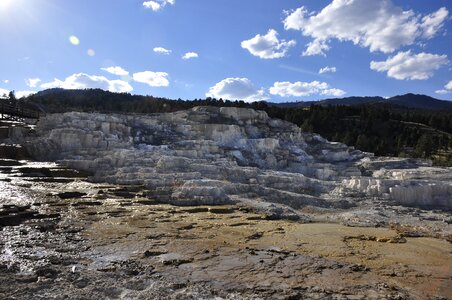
[(210, 155)]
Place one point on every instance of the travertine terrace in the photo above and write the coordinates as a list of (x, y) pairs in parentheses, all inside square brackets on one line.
[(211, 155)]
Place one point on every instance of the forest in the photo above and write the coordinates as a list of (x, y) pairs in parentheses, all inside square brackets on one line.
[(381, 128)]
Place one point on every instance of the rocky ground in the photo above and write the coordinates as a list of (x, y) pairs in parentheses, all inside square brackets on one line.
[(63, 237), (215, 204)]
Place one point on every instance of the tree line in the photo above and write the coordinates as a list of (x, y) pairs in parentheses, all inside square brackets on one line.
[(380, 129)]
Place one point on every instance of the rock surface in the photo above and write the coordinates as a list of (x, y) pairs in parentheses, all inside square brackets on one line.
[(63, 237), (111, 242), (214, 156)]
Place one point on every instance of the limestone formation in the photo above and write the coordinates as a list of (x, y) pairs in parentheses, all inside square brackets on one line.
[(210, 155)]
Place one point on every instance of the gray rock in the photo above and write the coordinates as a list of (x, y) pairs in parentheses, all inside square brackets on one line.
[(210, 155)]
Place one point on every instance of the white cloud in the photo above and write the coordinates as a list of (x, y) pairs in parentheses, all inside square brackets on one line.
[(433, 22), (162, 50), (378, 25), (267, 46), (3, 93), (154, 79), (85, 81), (158, 4), (408, 66), (295, 19), (327, 70), (442, 92), (32, 82), (447, 89), (20, 94), (333, 92), (152, 5), (316, 47), (237, 89), (449, 85), (6, 81), (190, 55), (116, 71), (299, 89)]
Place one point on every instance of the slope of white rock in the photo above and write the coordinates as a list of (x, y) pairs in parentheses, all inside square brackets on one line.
[(210, 155)]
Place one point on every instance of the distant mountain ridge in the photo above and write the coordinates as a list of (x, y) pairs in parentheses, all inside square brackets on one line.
[(411, 101), (58, 100)]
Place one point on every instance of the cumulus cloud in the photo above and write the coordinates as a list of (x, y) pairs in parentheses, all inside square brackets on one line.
[(6, 81), (408, 66), (377, 25), (85, 81), (327, 70), (162, 50), (152, 5), (267, 46), (190, 55), (237, 89), (447, 89), (116, 71), (300, 89), (333, 92), (32, 82), (154, 79), (158, 4), (20, 94), (316, 47)]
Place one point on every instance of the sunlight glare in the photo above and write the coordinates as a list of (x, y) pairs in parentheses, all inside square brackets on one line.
[(73, 39), (5, 4)]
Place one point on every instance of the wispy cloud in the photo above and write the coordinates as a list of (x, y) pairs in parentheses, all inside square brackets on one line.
[(297, 69), (116, 71), (327, 70)]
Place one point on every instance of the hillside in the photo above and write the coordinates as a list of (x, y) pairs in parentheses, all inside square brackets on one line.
[(386, 127), (407, 101)]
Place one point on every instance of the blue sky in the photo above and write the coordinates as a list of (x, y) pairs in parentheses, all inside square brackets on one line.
[(277, 50)]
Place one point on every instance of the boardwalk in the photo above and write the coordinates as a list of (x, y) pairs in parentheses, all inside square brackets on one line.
[(16, 110)]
